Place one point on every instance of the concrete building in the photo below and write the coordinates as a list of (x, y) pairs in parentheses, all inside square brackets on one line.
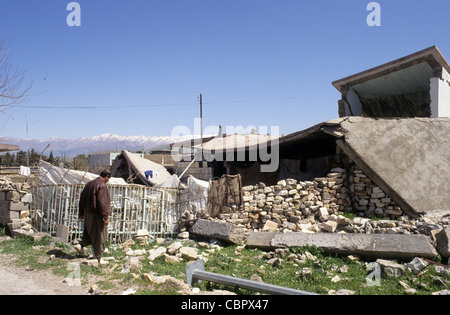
[(101, 161), (417, 85)]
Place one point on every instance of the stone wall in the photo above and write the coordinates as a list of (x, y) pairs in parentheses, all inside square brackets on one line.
[(369, 199), (311, 206), (15, 201)]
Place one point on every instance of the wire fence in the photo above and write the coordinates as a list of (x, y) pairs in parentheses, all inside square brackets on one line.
[(134, 208)]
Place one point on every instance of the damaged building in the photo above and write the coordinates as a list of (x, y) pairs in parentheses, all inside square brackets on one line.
[(387, 155), (393, 129)]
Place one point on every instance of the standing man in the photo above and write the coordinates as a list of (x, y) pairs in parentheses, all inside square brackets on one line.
[(95, 208)]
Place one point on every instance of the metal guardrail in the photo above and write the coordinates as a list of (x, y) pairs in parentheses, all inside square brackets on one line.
[(196, 272)]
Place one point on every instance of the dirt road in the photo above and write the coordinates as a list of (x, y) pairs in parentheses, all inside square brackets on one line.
[(22, 281)]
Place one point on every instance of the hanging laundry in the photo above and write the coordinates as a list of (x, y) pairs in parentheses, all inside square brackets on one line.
[(149, 174)]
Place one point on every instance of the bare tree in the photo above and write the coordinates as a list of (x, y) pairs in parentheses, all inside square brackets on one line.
[(13, 90)]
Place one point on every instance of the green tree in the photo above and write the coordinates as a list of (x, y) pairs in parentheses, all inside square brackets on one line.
[(50, 158), (34, 158), (8, 159), (21, 158)]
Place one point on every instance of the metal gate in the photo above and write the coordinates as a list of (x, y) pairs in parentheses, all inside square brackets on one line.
[(134, 208)]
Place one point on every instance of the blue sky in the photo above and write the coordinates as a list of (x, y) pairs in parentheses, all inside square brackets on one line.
[(143, 63)]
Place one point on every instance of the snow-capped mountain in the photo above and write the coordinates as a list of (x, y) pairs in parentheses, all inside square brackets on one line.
[(102, 143)]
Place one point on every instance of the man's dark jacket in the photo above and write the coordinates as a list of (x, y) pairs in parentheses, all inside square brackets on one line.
[(95, 199)]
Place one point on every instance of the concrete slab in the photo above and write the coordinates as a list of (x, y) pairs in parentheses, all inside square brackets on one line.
[(260, 239), (62, 232), (409, 158), (219, 230), (387, 246)]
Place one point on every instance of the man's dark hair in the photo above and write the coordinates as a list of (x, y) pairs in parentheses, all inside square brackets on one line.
[(105, 173)]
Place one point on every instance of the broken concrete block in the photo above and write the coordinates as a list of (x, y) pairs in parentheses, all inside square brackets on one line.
[(155, 253), (417, 265), (18, 206), (329, 226), (190, 253), (13, 196), (133, 263), (260, 239), (62, 232), (323, 214), (388, 246), (270, 226), (390, 268), (219, 230), (171, 259), (16, 224), (443, 242), (174, 247)]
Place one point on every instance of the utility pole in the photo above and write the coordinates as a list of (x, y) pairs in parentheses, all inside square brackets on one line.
[(28, 151), (201, 120)]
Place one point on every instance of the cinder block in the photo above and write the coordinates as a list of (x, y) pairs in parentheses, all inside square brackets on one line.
[(62, 232), (13, 195), (18, 206), (14, 215), (15, 224)]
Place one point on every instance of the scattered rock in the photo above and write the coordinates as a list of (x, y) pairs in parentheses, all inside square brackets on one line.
[(174, 247), (390, 268), (443, 242), (129, 291), (184, 235), (307, 273), (189, 253), (155, 253), (270, 226), (443, 292), (336, 279), (133, 264), (341, 292), (417, 265), (170, 259)]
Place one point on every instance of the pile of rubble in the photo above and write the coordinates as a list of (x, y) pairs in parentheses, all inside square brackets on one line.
[(15, 199), (337, 203), (383, 268), (170, 252), (369, 199), (312, 206)]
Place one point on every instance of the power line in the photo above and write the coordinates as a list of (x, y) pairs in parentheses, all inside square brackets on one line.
[(157, 105), (102, 107)]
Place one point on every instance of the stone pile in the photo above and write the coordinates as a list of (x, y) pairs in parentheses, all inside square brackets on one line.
[(314, 206), (170, 253), (369, 199), (15, 199)]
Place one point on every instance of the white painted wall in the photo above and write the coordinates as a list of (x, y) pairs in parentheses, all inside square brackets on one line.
[(440, 95)]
